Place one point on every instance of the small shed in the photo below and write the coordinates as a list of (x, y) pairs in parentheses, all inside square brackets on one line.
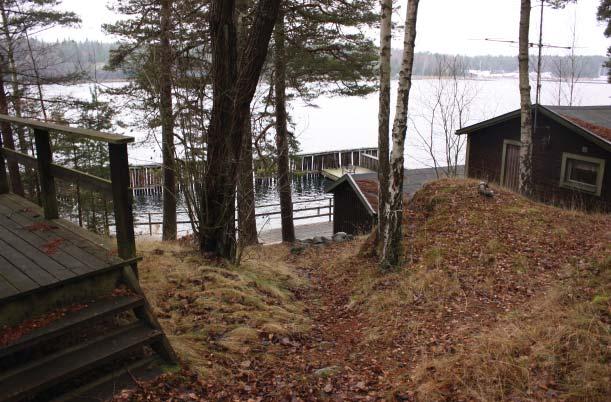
[(356, 197), (571, 154), (355, 204)]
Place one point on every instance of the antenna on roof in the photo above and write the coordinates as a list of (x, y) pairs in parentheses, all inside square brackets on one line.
[(540, 45)]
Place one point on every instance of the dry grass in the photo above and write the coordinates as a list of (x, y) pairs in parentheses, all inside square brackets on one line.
[(556, 347), (498, 298), (215, 314)]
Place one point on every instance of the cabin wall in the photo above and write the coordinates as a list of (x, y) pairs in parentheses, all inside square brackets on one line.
[(350, 215), (550, 142)]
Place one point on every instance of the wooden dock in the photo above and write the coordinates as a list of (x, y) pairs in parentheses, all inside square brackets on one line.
[(72, 313)]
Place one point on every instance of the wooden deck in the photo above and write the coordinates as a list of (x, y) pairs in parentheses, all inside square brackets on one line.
[(36, 253)]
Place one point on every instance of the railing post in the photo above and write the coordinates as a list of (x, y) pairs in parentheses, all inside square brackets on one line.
[(122, 200), (4, 188), (47, 181), (330, 209)]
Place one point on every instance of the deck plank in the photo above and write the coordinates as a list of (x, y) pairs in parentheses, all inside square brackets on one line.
[(68, 254), (24, 264), (89, 242), (41, 259), (27, 263), (15, 278)]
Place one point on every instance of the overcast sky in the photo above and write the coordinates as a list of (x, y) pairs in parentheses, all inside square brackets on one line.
[(444, 26)]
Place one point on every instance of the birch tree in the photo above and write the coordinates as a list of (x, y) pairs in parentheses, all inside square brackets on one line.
[(384, 114), (526, 127), (392, 246)]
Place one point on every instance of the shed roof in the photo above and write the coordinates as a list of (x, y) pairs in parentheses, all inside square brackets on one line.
[(366, 184), (591, 122)]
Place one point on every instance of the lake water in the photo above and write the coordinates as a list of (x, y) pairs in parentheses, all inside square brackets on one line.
[(350, 122)]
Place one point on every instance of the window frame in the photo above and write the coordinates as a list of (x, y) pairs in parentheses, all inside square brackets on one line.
[(573, 185)]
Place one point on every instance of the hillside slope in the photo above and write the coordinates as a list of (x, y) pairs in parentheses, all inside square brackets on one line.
[(499, 299)]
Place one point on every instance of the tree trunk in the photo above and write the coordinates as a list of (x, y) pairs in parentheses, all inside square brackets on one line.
[(167, 124), (384, 116), (7, 137), (282, 143), (526, 127), (392, 242), (232, 95), (247, 222)]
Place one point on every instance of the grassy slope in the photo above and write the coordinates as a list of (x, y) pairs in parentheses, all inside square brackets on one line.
[(218, 317), (502, 298)]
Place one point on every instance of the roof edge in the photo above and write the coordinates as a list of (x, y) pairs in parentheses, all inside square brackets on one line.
[(348, 177)]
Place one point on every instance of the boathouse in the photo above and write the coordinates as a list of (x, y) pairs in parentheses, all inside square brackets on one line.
[(571, 154)]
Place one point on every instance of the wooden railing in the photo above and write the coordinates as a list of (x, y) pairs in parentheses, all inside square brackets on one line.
[(322, 211), (117, 186)]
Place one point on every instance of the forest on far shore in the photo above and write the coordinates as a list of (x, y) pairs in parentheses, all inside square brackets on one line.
[(92, 56)]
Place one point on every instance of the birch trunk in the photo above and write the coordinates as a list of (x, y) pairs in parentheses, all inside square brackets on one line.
[(392, 241), (167, 123), (282, 145), (384, 116), (526, 127)]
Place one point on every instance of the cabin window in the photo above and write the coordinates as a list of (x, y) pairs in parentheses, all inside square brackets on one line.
[(582, 173)]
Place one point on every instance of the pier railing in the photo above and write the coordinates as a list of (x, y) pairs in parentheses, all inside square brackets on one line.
[(117, 186), (151, 219)]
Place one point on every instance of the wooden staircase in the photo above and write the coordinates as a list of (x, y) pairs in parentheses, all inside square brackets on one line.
[(82, 350)]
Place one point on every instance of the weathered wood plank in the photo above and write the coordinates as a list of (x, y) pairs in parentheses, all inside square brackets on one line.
[(81, 238), (85, 180), (72, 131), (6, 289), (24, 264), (69, 255), (122, 201), (43, 260), (15, 277), (44, 156)]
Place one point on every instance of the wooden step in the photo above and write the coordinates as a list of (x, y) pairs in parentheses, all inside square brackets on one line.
[(105, 387), (95, 311), (28, 380)]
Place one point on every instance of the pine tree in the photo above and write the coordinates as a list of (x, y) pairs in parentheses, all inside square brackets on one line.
[(604, 15), (19, 56), (235, 78), (317, 50)]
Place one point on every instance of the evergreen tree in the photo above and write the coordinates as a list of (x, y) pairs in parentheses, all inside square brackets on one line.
[(317, 50), (604, 15)]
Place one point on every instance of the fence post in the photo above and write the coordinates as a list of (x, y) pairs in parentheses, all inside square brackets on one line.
[(330, 209), (150, 225), (4, 188), (122, 200), (44, 156)]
